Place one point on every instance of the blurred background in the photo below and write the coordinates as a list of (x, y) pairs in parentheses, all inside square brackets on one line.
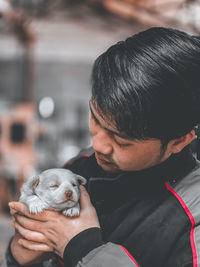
[(47, 48)]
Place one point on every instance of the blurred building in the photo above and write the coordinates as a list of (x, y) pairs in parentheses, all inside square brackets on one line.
[(45, 87)]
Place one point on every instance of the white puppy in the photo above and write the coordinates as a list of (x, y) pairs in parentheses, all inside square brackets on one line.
[(55, 189)]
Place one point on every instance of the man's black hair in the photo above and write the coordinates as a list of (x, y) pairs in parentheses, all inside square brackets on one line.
[(149, 84)]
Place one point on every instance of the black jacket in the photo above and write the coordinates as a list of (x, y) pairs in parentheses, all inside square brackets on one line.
[(148, 218)]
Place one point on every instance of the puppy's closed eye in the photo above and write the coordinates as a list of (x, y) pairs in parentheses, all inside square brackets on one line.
[(54, 186)]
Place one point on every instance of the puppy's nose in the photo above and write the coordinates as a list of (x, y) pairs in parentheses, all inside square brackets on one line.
[(68, 194)]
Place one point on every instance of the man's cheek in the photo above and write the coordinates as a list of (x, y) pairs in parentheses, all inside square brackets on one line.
[(120, 161)]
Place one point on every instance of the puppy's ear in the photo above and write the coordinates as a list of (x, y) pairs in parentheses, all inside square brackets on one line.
[(81, 179), (31, 184), (35, 182)]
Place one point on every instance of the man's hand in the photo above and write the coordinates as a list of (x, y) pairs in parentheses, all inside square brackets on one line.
[(25, 256), (51, 230)]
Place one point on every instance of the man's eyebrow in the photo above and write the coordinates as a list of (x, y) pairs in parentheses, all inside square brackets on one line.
[(108, 130)]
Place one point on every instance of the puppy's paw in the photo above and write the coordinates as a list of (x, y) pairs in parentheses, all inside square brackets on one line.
[(33, 208), (71, 212)]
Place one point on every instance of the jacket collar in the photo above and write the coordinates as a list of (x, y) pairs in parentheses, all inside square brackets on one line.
[(149, 181)]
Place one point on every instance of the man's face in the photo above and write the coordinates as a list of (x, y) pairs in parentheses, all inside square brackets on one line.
[(115, 153)]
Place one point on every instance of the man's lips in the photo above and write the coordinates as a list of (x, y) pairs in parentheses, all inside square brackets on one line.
[(105, 161)]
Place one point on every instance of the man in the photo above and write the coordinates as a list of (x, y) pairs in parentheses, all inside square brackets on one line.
[(143, 207)]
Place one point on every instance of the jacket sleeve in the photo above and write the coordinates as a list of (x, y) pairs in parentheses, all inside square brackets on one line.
[(87, 249), (11, 262)]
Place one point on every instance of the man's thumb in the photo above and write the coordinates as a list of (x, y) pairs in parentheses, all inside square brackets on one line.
[(84, 198)]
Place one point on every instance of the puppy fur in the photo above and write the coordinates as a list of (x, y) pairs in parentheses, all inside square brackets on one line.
[(55, 189)]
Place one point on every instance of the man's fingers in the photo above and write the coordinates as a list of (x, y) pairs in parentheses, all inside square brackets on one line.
[(12, 212), (29, 223), (34, 246), (27, 234), (84, 198), (18, 207), (22, 209)]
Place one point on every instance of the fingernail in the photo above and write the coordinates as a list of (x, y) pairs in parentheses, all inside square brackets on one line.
[(82, 187), (20, 241), (11, 205), (13, 211)]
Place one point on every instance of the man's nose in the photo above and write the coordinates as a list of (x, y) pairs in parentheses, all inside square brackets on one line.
[(101, 143)]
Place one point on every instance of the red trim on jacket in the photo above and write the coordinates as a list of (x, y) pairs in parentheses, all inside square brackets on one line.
[(194, 252), (85, 156), (61, 262), (130, 256), (69, 162)]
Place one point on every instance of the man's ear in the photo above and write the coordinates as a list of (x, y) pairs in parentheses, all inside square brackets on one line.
[(178, 144)]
